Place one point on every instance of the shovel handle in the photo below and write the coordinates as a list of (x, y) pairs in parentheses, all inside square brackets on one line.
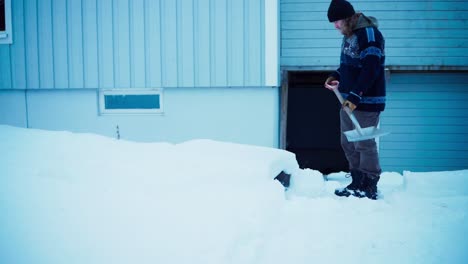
[(348, 111)]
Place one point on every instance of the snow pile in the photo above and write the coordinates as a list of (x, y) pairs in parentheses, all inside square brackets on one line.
[(90, 199), (437, 184), (82, 198)]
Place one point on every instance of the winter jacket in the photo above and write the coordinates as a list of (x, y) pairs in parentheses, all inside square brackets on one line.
[(362, 66)]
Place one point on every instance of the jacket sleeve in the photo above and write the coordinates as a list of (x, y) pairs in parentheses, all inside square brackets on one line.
[(336, 74), (371, 52)]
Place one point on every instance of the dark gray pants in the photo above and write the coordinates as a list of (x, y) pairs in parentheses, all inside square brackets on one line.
[(361, 155)]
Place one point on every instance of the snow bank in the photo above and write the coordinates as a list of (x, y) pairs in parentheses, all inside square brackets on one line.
[(437, 184), (82, 198)]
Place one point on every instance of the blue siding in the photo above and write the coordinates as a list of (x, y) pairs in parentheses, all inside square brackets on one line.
[(236, 42), (75, 43), (90, 44), (202, 44), (31, 42), (141, 43), (5, 69), (427, 116), (153, 59), (105, 44), (121, 21), (59, 47), (218, 42), (169, 42), (138, 45), (185, 33), (254, 35), (189, 114), (418, 33), (46, 43), (18, 51)]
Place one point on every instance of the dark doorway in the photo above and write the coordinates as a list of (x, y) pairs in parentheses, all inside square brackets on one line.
[(313, 125)]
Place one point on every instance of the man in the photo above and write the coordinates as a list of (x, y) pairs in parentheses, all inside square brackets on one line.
[(361, 80)]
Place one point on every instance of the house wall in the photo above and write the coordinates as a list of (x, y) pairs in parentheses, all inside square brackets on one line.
[(13, 108), (216, 62), (141, 43), (427, 116), (426, 47), (427, 34), (241, 115)]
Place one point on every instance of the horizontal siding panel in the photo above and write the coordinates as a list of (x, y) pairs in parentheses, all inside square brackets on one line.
[(388, 34), (396, 52), (418, 112), (448, 164), (442, 163), (442, 131), (422, 86), (309, 52), (308, 61), (410, 96), (426, 121), (381, 15), (412, 149), (400, 61), (418, 33), (401, 138), (379, 6), (384, 25), (446, 156), (433, 51), (427, 61), (310, 42), (435, 79), (430, 104), (423, 168)]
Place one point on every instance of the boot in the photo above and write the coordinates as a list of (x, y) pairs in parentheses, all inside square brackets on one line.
[(370, 187), (355, 187)]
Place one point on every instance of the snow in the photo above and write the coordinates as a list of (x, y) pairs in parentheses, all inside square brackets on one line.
[(84, 198)]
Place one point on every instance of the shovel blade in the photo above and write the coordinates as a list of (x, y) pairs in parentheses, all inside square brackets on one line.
[(366, 133)]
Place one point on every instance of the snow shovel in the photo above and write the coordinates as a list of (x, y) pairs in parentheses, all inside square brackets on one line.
[(359, 133)]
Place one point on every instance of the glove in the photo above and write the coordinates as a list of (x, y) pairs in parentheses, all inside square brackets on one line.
[(349, 104)]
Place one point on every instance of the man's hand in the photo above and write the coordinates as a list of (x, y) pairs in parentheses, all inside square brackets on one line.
[(350, 105), (331, 84)]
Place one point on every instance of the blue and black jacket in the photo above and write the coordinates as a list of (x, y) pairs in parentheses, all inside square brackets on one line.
[(362, 66)]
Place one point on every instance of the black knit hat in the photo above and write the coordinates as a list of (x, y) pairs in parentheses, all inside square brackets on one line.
[(340, 9)]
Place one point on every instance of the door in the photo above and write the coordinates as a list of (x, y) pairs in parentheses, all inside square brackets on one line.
[(313, 125)]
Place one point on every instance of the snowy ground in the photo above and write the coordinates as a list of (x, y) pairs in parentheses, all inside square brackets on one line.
[(82, 198)]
